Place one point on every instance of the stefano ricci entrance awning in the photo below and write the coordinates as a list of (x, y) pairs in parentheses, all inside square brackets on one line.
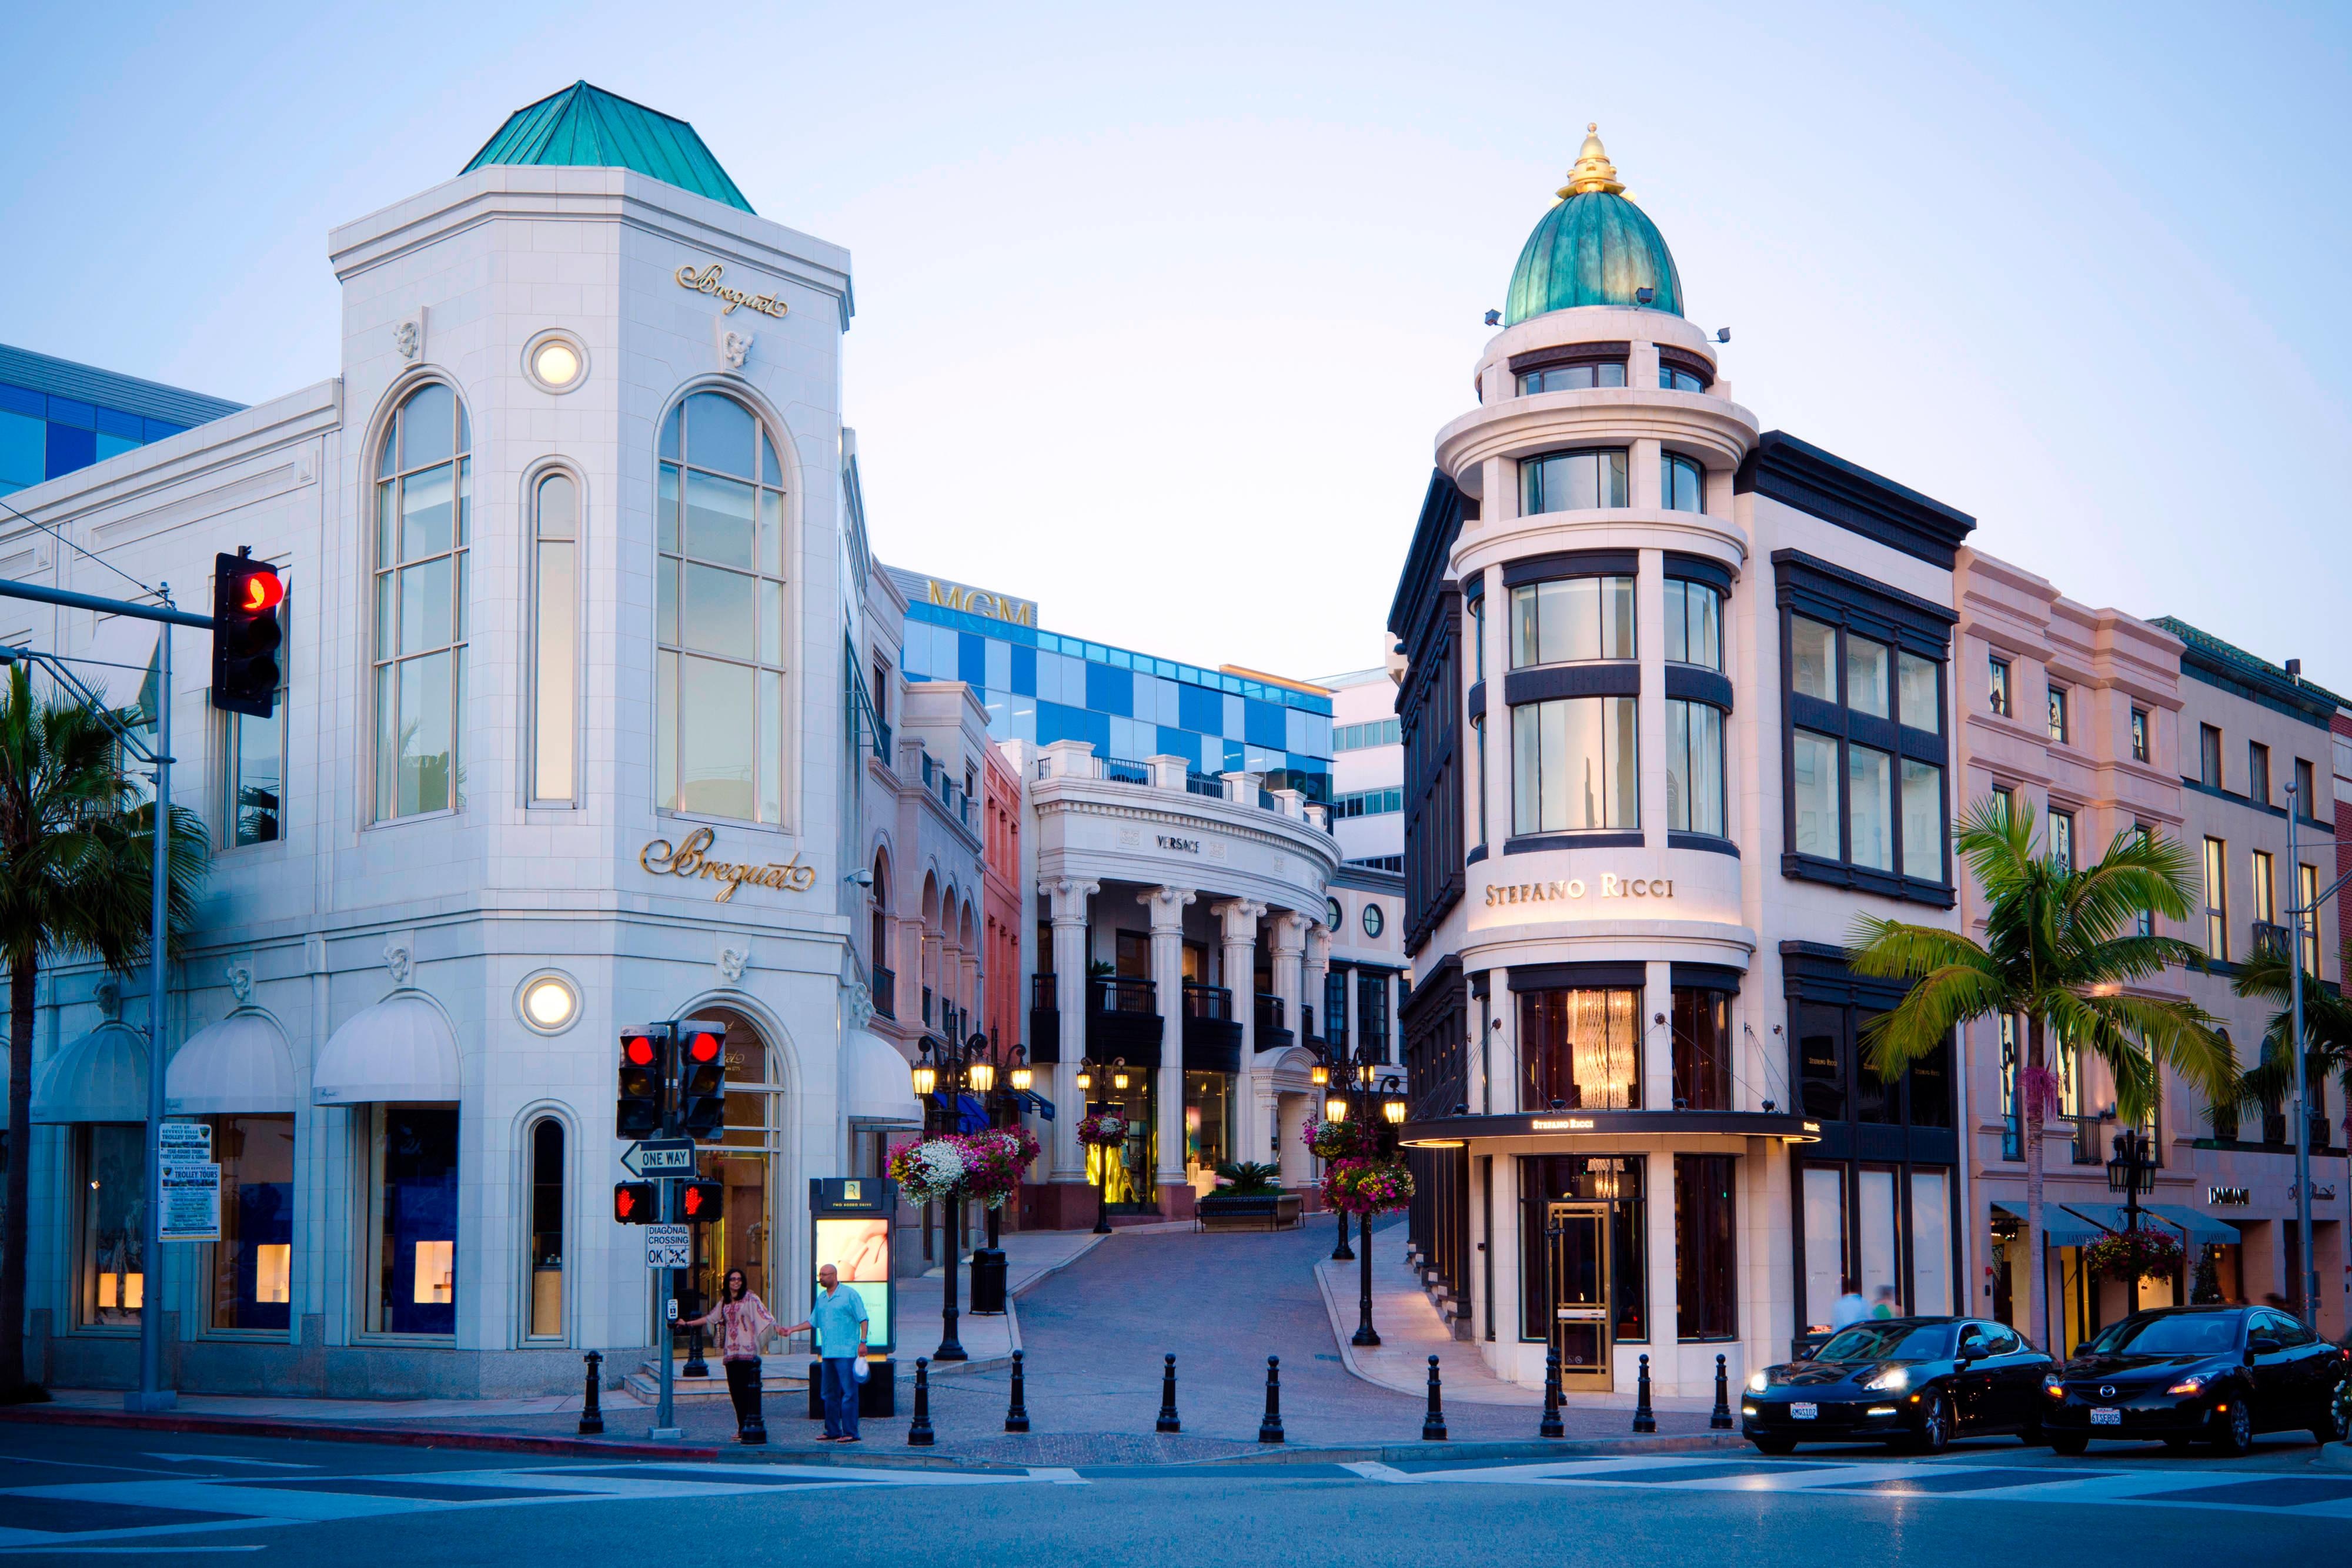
[(237, 1067), (400, 1049), (101, 1077)]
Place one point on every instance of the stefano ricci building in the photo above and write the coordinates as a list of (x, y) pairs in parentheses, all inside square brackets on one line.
[(1677, 706), (566, 743)]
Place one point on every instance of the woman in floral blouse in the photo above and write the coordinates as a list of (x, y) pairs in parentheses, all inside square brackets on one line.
[(744, 1325)]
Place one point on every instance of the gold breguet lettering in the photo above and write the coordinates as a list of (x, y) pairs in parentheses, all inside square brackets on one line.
[(692, 858), (706, 281)]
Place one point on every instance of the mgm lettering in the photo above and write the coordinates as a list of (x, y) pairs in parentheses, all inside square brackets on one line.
[(1611, 886), (692, 859)]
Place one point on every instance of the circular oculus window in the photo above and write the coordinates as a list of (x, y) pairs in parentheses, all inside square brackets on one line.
[(1371, 920), (1335, 917), (555, 361), (549, 1003)]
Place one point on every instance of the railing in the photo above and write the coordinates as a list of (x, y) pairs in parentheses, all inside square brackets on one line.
[(1120, 773), (882, 743), (1242, 788), (1306, 1021), (1208, 1002), (1042, 996), (2012, 1135), (885, 985), (927, 1006), (1121, 993), (1269, 1011), (1207, 784), (2087, 1151)]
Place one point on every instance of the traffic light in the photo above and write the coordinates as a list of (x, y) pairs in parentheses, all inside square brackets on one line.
[(645, 1075), (246, 634), (702, 1078), (700, 1202), (636, 1202)]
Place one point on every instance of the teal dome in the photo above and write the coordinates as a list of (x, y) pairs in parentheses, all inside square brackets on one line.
[(1595, 247)]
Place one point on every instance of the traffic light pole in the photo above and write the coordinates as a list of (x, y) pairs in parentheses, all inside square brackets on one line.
[(666, 1425)]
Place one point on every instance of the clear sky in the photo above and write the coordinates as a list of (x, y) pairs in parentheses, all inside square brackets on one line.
[(1159, 309)]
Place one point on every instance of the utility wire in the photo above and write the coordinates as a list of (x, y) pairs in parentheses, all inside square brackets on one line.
[(151, 592)]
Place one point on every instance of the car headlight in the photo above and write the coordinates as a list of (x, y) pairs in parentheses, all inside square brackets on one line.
[(1887, 1380), (2194, 1385), (1757, 1383)]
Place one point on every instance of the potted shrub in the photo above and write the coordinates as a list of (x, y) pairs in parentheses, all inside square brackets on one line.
[(1248, 1195)]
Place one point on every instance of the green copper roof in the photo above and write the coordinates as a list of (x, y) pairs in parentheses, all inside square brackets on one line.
[(1595, 248), (2210, 653), (584, 126)]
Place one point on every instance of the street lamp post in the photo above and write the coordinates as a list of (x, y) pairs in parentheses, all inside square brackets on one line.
[(2299, 910), (940, 1074), (2132, 1172)]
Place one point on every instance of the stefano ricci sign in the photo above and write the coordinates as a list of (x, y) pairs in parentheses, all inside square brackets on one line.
[(692, 858), (706, 281), (1604, 886)]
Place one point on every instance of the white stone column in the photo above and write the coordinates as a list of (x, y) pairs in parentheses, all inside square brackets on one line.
[(1237, 965), (906, 966), (1068, 904), (1290, 929), (1166, 905), (1656, 1057), (1316, 965)]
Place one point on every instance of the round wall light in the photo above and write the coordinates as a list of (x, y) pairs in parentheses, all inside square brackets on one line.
[(548, 1002), (555, 361)]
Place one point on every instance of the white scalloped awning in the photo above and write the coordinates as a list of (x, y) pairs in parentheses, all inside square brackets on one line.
[(101, 1077), (237, 1067), (400, 1049), (874, 1085)]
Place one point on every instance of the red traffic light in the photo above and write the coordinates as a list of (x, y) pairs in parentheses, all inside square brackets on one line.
[(637, 1050), (261, 590), (704, 1048)]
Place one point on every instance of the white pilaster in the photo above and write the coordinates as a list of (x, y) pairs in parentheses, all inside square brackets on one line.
[(1238, 965), (1166, 905), (1067, 903)]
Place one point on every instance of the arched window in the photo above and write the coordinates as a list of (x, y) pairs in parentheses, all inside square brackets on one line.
[(545, 1151), (424, 491), (555, 641), (719, 614)]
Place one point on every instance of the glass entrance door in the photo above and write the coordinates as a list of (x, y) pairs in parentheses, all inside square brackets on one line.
[(1582, 1331)]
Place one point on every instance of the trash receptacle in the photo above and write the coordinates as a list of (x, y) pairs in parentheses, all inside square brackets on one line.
[(987, 1282)]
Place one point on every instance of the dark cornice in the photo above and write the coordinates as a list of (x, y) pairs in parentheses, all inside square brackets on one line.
[(1801, 474)]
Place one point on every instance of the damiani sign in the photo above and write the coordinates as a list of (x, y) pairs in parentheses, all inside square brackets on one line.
[(692, 858)]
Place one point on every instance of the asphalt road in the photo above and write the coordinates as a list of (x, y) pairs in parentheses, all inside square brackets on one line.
[(72, 1494)]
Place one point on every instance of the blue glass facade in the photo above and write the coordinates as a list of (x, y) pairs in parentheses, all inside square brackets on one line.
[(1041, 687), (57, 416)]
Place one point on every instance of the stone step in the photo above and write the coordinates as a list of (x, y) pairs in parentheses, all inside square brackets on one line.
[(645, 1384)]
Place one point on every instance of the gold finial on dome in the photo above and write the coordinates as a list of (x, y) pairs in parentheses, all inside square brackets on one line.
[(1593, 172)]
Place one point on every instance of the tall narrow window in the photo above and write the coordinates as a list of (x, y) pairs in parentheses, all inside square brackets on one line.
[(1682, 483), (546, 1259), (2258, 773), (2217, 900), (1695, 767), (423, 496), (413, 1219), (1922, 821), (2139, 735), (2062, 838), (255, 756), (252, 1263), (2306, 896), (2144, 835), (2306, 790), (1702, 1033), (2058, 726), (1694, 623), (718, 594), (2265, 890), (1920, 683), (1478, 771), (555, 638), (2209, 756), (1997, 690), (1574, 763), (1707, 1259)]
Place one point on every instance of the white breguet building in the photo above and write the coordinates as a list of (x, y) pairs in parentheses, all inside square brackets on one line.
[(564, 746)]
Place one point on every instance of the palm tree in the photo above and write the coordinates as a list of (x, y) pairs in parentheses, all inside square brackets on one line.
[(2327, 1034), (76, 859), (2060, 948)]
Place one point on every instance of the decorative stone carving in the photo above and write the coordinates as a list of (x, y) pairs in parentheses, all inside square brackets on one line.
[(240, 982), (732, 962), (408, 337), (107, 994), (858, 1002), (734, 347), (399, 958)]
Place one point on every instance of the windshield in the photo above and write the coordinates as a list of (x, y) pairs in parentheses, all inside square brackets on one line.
[(1890, 1341), (2191, 1333)]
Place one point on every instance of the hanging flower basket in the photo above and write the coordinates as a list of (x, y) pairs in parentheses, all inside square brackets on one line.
[(993, 1161), (930, 1170), (1102, 1129), (2110, 1257), (1332, 1140), (1356, 1186)]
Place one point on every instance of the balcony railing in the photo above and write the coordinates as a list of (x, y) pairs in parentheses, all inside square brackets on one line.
[(885, 985), (1075, 759), (1208, 1002), (1121, 993), (1120, 773), (1269, 1011), (927, 1006), (2087, 1151), (1042, 997)]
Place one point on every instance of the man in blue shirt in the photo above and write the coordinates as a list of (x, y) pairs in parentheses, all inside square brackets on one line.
[(838, 1318)]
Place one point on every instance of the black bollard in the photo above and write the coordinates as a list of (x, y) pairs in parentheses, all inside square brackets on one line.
[(1550, 1426), (1644, 1420), (1270, 1430), (592, 1413), (1432, 1426), (1720, 1418), (1016, 1415), (1167, 1421), (919, 1430)]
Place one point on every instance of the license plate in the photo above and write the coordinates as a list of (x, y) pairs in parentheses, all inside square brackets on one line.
[(1804, 1412), (2106, 1418)]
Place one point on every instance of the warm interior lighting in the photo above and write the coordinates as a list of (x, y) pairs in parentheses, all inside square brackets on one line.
[(1022, 1078), (981, 1076), (549, 1003), (132, 1291), (556, 363), (273, 1266), (1086, 1079), (1118, 1077), (927, 1078), (437, 1263), (1318, 1075), (1393, 1109)]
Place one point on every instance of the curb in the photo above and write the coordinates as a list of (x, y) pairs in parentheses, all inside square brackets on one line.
[(1499, 1449), (2332, 1457), (321, 1432), (1011, 1318)]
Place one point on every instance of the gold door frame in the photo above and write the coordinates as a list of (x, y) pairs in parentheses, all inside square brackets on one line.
[(1596, 1317)]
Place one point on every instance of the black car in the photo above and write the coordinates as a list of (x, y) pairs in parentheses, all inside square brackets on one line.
[(1918, 1382), (2186, 1374)]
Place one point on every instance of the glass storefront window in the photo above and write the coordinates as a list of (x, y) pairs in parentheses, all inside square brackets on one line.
[(253, 1261), (1575, 765), (1706, 1254), (1580, 1049), (1821, 1061), (1931, 1242), (1702, 1049), (546, 1227), (113, 1162), (413, 1219), (748, 1143), (1208, 1124), (1826, 1268), (1615, 1179), (1126, 1169)]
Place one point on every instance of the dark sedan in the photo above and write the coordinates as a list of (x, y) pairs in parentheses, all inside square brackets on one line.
[(2218, 1375), (1917, 1382)]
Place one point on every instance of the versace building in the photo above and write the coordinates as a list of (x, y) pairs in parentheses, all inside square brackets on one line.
[(1676, 707), (566, 743)]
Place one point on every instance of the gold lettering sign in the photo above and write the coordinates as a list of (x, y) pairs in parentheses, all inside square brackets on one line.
[(980, 602), (707, 282), (1611, 886), (692, 859), (1565, 1124)]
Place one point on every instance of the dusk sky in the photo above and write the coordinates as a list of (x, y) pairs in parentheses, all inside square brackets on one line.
[(1158, 310)]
